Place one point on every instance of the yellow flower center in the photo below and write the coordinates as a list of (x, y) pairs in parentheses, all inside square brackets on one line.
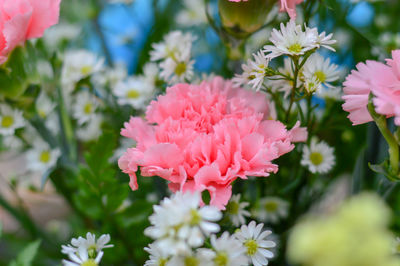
[(162, 262), (85, 70), (180, 68), (191, 261), (316, 158), (195, 217), (221, 259), (271, 206), (92, 251), (42, 113), (251, 246), (295, 48), (321, 76), (87, 109), (233, 207), (89, 262), (7, 121), (45, 156), (132, 94)]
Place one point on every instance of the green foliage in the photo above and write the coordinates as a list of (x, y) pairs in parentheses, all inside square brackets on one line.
[(100, 192), (19, 71), (26, 256)]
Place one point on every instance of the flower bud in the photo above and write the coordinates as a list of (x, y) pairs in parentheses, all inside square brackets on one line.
[(243, 18)]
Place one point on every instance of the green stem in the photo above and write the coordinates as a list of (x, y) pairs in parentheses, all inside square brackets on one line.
[(292, 94), (381, 123), (70, 143)]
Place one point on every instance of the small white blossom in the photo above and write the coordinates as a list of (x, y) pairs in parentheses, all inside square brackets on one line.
[(255, 241), (91, 130), (81, 258), (41, 157), (228, 251), (292, 40), (236, 210), (202, 256), (178, 223), (12, 142), (44, 69), (318, 157), (321, 68), (85, 107), (271, 209), (89, 244), (10, 120), (44, 105), (192, 14), (151, 73), (135, 91), (60, 32), (79, 64), (312, 84), (158, 256), (175, 71), (176, 44), (254, 72)]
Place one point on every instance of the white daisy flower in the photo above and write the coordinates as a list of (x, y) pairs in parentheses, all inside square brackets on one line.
[(60, 32), (271, 210), (91, 130), (321, 68), (52, 123), (85, 107), (82, 258), (10, 120), (254, 72), (202, 256), (44, 69), (176, 44), (236, 210), (79, 64), (41, 157), (134, 91), (318, 157), (151, 72), (228, 251), (12, 142), (246, 76), (178, 223), (312, 84), (193, 13), (89, 243), (292, 40), (110, 76), (278, 83), (254, 240), (176, 70), (158, 257), (44, 105)]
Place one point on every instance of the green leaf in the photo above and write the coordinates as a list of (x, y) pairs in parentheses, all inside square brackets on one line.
[(384, 169), (26, 256)]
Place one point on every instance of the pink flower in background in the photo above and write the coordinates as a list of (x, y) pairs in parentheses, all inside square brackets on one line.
[(382, 80), (356, 92), (288, 6), (21, 20), (203, 137), (387, 89)]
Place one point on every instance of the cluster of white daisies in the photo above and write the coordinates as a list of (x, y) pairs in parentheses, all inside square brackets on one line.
[(181, 228), (292, 41)]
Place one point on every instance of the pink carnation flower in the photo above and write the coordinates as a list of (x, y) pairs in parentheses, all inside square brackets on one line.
[(387, 89), (288, 6), (383, 81), (203, 137), (21, 20)]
